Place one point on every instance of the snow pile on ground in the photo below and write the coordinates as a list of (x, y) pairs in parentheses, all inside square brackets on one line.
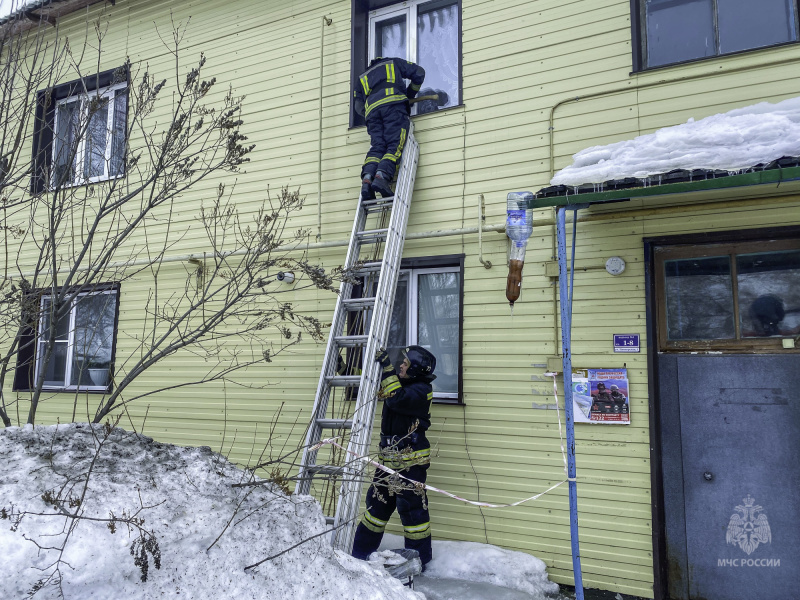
[(188, 501), (480, 564), (731, 141)]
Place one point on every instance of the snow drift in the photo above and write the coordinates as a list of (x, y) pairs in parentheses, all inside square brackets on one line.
[(190, 499)]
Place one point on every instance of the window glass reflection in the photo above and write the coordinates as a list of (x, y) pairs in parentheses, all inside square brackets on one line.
[(438, 325), (769, 293), (746, 24), (699, 299), (96, 139), (390, 37), (437, 52), (679, 30), (398, 326), (94, 335)]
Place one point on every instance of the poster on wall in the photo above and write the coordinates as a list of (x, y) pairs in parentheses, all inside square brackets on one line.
[(601, 396)]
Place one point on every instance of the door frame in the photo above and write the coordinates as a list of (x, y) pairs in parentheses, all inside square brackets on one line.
[(660, 566)]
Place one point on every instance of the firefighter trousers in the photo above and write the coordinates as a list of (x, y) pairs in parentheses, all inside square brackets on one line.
[(412, 506), (387, 127)]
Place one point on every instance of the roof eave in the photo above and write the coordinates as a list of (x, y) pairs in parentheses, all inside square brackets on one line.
[(776, 181)]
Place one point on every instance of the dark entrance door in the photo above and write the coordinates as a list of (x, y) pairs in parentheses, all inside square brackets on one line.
[(731, 475), (728, 414)]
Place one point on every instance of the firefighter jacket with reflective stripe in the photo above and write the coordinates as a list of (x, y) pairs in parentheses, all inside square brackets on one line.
[(406, 408), (383, 84)]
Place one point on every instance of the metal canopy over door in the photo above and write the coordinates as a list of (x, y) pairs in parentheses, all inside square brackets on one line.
[(728, 407)]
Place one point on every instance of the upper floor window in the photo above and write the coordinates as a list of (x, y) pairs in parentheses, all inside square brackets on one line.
[(426, 32), (674, 31), (80, 131), (89, 143)]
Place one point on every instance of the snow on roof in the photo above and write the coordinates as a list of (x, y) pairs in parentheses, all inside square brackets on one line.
[(731, 141)]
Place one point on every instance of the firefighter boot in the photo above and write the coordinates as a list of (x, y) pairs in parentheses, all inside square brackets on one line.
[(381, 185), (367, 193)]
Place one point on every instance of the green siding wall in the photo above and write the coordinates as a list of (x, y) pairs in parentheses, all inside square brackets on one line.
[(520, 59)]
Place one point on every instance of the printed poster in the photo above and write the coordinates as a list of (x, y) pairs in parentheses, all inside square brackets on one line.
[(601, 396)]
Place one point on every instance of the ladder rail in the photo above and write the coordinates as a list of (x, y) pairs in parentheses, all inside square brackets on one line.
[(362, 415), (350, 497)]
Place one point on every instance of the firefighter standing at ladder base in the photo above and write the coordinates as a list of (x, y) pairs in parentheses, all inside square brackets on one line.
[(407, 395), (381, 97)]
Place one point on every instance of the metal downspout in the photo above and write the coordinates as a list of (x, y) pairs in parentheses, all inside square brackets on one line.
[(566, 334), (325, 22)]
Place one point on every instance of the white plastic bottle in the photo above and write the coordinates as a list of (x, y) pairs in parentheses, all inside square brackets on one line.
[(519, 227)]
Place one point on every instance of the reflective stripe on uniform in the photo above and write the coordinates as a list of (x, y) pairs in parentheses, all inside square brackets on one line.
[(389, 91), (373, 523), (390, 157), (365, 84), (371, 159), (402, 143), (390, 384), (396, 98), (417, 532), (405, 460), (390, 72), (414, 87)]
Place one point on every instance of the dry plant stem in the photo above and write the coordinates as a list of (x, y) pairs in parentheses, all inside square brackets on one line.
[(230, 312)]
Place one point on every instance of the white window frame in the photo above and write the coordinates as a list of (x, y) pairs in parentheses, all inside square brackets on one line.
[(412, 312), (80, 152), (409, 8), (40, 329)]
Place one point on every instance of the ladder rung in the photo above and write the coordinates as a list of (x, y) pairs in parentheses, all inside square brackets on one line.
[(335, 423), (367, 268), (370, 236), (351, 341), (377, 204), (358, 303), (325, 470), (344, 380)]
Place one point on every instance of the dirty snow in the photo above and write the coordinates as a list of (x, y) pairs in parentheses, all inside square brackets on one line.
[(472, 571), (189, 490), (189, 500), (732, 141)]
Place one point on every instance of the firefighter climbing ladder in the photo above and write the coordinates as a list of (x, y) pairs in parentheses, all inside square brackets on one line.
[(374, 309)]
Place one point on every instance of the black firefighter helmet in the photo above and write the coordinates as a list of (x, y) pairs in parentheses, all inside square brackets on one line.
[(421, 361)]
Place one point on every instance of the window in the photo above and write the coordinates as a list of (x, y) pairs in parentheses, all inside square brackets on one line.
[(729, 296), (80, 132), (89, 140), (427, 312), (83, 348), (422, 31), (674, 31)]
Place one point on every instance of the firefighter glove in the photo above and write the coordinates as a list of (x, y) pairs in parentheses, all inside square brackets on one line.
[(382, 357)]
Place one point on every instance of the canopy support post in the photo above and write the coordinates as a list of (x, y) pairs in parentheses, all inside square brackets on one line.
[(565, 293)]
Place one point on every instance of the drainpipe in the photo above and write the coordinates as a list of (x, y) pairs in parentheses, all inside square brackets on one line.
[(481, 220), (565, 290), (325, 22)]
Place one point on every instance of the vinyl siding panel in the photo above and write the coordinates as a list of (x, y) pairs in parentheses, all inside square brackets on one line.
[(521, 60)]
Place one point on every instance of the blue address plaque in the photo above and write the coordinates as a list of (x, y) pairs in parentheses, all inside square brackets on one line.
[(626, 342)]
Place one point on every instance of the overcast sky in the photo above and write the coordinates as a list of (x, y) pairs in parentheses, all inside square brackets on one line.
[(7, 5)]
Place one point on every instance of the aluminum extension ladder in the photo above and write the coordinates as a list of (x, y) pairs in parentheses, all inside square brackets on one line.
[(346, 398)]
